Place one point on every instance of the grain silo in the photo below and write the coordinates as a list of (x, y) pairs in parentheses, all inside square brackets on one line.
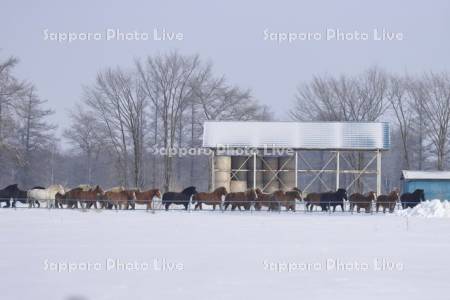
[(239, 174), (222, 173)]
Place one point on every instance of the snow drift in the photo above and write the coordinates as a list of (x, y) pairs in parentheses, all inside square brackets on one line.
[(429, 209)]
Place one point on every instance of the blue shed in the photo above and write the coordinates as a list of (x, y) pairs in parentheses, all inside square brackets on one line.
[(436, 184)]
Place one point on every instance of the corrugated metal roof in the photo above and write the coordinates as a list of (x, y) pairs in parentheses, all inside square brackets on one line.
[(298, 135), (409, 175)]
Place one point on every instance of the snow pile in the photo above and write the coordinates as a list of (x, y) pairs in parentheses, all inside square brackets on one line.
[(429, 209)]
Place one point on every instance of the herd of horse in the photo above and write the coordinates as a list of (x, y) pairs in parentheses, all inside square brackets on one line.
[(85, 196)]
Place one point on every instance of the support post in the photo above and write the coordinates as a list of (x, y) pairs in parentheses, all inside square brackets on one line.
[(254, 169), (338, 170), (296, 170), (213, 171), (378, 172)]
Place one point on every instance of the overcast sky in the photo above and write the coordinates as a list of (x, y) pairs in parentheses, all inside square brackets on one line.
[(230, 34)]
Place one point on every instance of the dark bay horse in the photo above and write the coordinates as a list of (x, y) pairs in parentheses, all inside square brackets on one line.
[(412, 199), (240, 199), (288, 199), (182, 198), (387, 201), (214, 198), (265, 200), (12, 192), (313, 199), (362, 201)]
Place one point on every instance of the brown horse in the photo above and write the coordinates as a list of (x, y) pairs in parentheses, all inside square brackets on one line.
[(120, 198), (361, 201), (288, 199), (67, 199), (240, 199), (313, 199), (146, 197), (387, 201), (87, 197), (265, 200), (214, 198)]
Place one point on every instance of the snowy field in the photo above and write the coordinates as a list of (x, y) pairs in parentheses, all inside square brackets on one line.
[(213, 255)]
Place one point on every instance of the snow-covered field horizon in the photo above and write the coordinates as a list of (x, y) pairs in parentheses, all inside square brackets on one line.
[(95, 254)]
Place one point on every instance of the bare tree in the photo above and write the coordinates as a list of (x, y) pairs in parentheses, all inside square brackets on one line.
[(168, 84), (86, 135), (434, 92), (399, 97), (359, 98), (118, 99), (35, 133)]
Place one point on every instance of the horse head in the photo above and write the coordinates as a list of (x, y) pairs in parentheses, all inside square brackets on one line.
[(297, 194), (394, 194), (189, 191), (98, 191), (372, 195), (420, 193), (221, 191), (342, 193), (157, 194)]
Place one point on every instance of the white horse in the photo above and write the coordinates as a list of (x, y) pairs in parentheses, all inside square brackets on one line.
[(35, 196)]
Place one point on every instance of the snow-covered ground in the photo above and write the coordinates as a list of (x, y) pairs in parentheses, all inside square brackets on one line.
[(213, 255)]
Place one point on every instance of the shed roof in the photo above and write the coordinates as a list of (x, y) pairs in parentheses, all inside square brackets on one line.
[(430, 175), (297, 135)]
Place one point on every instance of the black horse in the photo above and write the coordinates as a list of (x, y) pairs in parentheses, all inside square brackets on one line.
[(330, 199), (182, 198), (12, 192), (412, 199)]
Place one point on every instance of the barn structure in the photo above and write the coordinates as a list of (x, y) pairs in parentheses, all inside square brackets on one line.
[(271, 155), (436, 184)]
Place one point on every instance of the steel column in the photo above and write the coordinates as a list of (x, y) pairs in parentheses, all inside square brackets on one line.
[(338, 169), (254, 170), (378, 172)]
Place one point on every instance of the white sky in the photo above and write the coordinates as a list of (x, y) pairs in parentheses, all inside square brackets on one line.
[(228, 33)]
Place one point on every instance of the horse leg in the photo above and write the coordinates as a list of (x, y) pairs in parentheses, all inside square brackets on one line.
[(167, 206)]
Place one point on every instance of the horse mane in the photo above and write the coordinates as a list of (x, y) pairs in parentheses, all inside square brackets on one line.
[(11, 186), (38, 188), (220, 190), (188, 190), (116, 189), (296, 189)]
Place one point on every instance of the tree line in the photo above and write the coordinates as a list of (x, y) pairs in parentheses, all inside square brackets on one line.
[(161, 102)]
